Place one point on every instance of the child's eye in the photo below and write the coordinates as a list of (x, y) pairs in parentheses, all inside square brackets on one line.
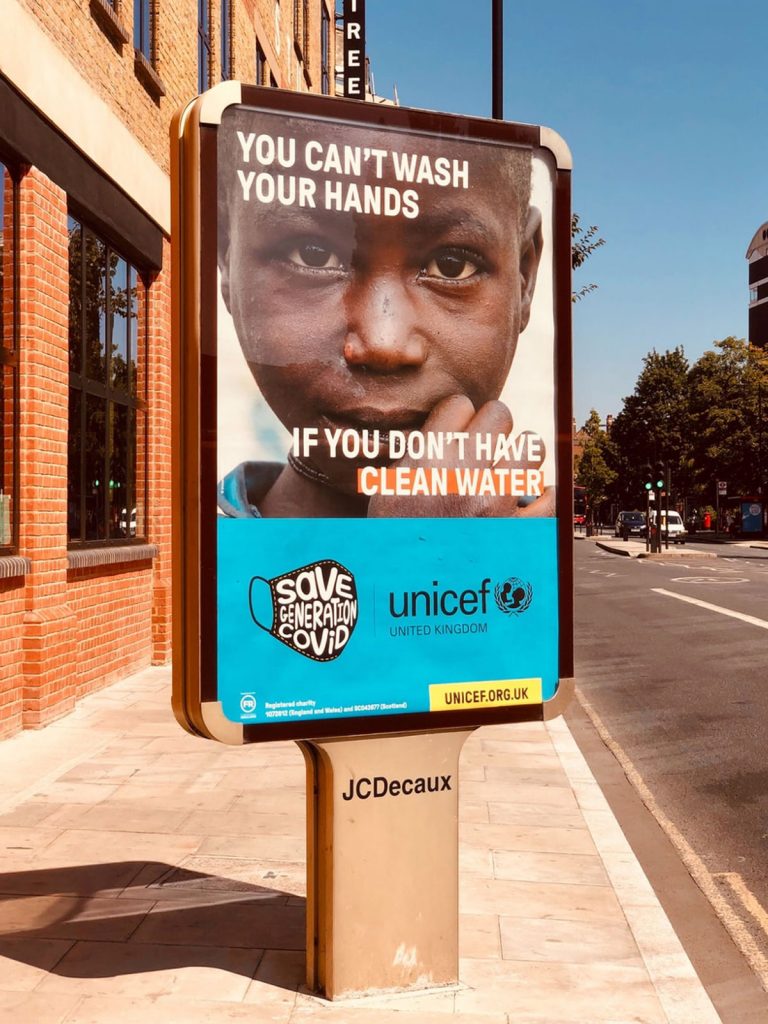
[(314, 256), (452, 265)]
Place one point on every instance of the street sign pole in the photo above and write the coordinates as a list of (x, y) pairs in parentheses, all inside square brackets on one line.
[(666, 504), (722, 492), (657, 535)]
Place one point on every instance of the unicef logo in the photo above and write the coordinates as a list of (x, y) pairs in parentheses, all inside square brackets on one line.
[(248, 704), (513, 596)]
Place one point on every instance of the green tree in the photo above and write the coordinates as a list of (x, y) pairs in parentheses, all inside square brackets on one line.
[(583, 244), (728, 401), (593, 471), (654, 424)]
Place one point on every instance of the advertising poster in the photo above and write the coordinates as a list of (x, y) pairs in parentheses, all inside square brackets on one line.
[(384, 408)]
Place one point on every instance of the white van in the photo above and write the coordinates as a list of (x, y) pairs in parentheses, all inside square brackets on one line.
[(671, 526)]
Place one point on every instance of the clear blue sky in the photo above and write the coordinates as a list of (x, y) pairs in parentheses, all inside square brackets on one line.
[(664, 106)]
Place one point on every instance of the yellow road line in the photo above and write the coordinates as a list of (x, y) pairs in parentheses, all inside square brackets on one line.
[(696, 868), (746, 897)]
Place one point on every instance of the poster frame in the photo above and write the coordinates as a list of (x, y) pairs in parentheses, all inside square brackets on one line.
[(194, 378)]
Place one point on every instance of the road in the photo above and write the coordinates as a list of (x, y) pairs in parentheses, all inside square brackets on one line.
[(681, 689)]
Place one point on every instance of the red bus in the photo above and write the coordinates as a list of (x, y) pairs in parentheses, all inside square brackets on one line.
[(579, 506)]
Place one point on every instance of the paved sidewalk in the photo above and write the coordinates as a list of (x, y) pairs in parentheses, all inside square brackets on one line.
[(149, 876)]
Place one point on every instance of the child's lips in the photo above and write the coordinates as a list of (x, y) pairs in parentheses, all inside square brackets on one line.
[(383, 420)]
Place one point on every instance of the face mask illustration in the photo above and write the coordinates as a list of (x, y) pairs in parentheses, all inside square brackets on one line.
[(314, 608)]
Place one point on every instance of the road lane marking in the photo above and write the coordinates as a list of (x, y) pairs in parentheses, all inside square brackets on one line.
[(752, 620), (717, 568), (746, 897), (708, 579), (727, 913)]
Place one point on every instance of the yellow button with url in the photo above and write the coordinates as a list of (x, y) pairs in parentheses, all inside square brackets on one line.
[(493, 693)]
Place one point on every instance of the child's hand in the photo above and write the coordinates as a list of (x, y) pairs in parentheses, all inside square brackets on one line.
[(457, 414)]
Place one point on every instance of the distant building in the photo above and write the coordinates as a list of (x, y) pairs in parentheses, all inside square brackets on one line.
[(757, 255)]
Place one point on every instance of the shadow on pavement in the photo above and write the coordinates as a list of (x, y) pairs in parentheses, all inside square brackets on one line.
[(127, 917)]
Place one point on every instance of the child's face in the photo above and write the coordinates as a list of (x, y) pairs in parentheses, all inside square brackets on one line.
[(364, 321)]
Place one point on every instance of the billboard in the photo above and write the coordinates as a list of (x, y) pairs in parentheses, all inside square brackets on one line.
[(373, 432)]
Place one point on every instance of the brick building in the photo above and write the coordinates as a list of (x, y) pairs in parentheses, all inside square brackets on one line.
[(87, 92)]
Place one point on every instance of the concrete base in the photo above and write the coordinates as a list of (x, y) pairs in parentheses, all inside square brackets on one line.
[(382, 863)]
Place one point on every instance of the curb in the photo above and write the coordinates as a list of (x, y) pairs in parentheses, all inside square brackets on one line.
[(678, 987), (616, 551), (653, 555)]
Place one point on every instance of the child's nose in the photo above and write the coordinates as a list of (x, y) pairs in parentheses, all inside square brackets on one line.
[(383, 333)]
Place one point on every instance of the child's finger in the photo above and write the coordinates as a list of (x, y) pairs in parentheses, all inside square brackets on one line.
[(543, 507), (451, 414)]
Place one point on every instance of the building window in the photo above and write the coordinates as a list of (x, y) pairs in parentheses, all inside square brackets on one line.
[(9, 358), (203, 46), (753, 294), (226, 39), (143, 34), (261, 65), (107, 445), (325, 53)]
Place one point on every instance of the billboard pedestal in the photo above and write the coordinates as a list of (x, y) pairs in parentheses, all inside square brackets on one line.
[(382, 862)]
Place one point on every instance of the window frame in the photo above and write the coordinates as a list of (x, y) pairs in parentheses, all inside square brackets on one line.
[(204, 45), (325, 51), (113, 398), (144, 29), (9, 357), (226, 40), (261, 64)]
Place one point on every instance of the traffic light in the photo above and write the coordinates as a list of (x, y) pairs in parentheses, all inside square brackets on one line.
[(648, 477), (660, 476)]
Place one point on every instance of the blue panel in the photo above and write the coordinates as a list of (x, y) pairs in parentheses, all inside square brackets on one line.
[(429, 601)]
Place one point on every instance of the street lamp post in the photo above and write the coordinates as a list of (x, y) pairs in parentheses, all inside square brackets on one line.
[(497, 43), (760, 487)]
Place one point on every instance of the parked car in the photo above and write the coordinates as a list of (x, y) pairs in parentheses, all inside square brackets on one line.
[(672, 526), (579, 519), (633, 523)]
